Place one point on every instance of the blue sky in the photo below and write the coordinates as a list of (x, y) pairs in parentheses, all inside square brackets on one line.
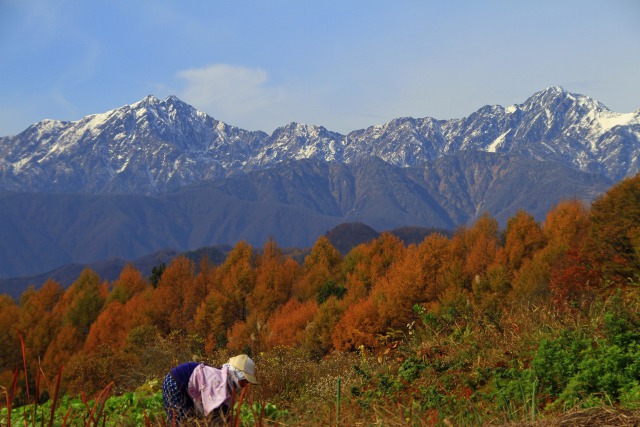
[(341, 64)]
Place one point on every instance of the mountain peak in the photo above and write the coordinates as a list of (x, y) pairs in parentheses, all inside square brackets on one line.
[(174, 100), (548, 94), (554, 96), (554, 90), (295, 127), (146, 101), (178, 104)]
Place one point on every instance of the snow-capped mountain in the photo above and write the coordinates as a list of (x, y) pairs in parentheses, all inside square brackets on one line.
[(155, 146), (146, 147), (551, 125)]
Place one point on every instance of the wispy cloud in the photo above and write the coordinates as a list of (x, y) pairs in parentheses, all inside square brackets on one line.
[(248, 98), (232, 93)]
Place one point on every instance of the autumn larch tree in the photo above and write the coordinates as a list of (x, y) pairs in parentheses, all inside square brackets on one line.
[(523, 237), (287, 325), (321, 267), (39, 320), (10, 355), (614, 229)]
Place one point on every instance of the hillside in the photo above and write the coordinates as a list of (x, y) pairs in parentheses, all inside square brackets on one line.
[(294, 203)]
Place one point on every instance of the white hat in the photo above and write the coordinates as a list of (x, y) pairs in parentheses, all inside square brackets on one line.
[(244, 364)]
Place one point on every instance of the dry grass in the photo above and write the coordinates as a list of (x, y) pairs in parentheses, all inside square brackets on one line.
[(593, 417)]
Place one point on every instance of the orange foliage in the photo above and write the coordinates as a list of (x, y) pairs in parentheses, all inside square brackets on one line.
[(388, 306), (128, 284), (109, 329), (319, 333), (161, 309), (9, 344), (237, 282), (357, 327), (287, 325), (368, 262), (320, 266), (382, 253), (76, 311), (275, 277), (204, 282), (435, 254), (357, 289), (65, 344), (174, 301), (613, 218), (523, 237), (239, 337), (82, 302), (481, 255), (38, 319), (567, 223), (210, 321), (229, 289), (397, 293), (200, 287), (473, 250)]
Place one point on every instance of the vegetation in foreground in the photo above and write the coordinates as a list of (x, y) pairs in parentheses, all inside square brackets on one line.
[(487, 327)]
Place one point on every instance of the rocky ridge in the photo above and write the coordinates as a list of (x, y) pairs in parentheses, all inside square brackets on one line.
[(155, 146)]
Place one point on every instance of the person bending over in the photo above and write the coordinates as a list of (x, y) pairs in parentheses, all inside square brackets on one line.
[(194, 388)]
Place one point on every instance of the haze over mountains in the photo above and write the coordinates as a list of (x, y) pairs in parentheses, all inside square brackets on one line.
[(160, 174)]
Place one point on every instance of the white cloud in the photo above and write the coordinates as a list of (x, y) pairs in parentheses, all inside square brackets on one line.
[(236, 95), (247, 98)]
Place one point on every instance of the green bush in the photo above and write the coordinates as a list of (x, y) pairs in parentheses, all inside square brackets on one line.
[(411, 368), (556, 361), (577, 369)]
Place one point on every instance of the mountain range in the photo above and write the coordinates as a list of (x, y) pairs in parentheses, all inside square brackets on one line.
[(155, 146), (160, 174)]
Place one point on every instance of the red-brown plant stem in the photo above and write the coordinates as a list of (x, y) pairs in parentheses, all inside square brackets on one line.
[(147, 422), (24, 362), (237, 418), (66, 417), (98, 406), (37, 397), (54, 404), (10, 396)]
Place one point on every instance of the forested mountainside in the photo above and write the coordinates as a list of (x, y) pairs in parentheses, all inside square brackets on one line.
[(294, 203)]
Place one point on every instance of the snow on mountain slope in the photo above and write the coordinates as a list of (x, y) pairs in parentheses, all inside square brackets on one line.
[(154, 146)]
